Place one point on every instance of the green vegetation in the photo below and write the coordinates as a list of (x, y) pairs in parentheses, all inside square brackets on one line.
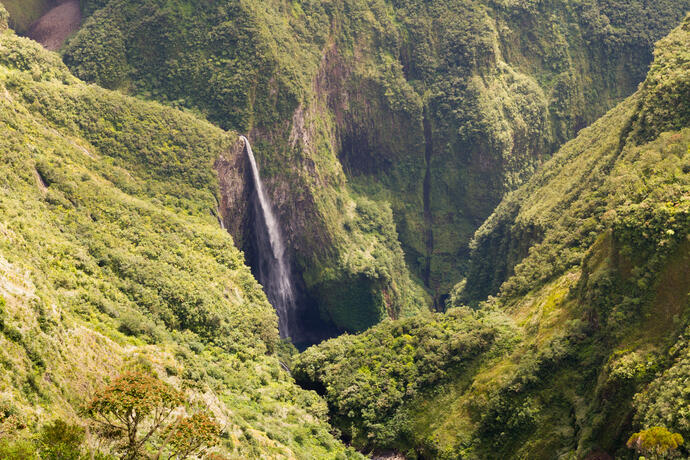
[(390, 134), (247, 67), (132, 401), (131, 417), (61, 441), (587, 268), (112, 261), (4, 19), (137, 407), (656, 442), (368, 377), (436, 107), (192, 435), (561, 212), (56, 440)]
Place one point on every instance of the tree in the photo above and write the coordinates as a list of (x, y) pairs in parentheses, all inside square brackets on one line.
[(655, 442), (134, 402), (192, 435)]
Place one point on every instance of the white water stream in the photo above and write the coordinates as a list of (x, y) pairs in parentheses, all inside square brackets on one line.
[(274, 271)]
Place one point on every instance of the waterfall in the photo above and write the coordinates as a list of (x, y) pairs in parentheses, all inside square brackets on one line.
[(274, 271)]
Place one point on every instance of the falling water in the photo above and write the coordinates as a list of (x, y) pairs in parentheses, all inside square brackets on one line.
[(274, 271)]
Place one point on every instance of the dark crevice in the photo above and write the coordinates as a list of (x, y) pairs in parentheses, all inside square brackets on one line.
[(308, 325), (428, 218), (356, 155), (43, 181)]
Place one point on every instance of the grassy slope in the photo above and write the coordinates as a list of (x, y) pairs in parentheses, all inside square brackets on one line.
[(598, 309), (110, 258)]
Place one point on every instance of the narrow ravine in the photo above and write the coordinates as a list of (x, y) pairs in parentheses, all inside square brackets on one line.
[(428, 218)]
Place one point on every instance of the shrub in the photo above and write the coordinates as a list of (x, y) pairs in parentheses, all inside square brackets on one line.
[(192, 435), (61, 441), (656, 441), (103, 61), (17, 450)]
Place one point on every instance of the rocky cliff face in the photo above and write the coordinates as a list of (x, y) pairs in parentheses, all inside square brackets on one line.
[(233, 186), (475, 97)]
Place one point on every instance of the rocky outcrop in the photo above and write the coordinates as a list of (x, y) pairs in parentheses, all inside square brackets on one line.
[(52, 29), (234, 190)]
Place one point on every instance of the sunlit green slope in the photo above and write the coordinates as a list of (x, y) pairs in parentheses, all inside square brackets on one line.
[(111, 259)]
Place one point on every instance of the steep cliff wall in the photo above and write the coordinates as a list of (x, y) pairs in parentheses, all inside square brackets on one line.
[(111, 259)]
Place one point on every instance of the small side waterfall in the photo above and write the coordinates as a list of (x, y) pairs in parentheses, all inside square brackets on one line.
[(274, 270)]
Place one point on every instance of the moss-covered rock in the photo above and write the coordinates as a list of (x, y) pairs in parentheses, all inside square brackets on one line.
[(438, 108)]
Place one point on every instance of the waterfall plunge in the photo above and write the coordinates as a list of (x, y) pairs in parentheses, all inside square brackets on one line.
[(274, 271)]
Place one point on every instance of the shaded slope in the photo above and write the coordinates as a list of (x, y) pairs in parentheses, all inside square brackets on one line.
[(24, 12), (577, 183), (52, 29), (325, 86)]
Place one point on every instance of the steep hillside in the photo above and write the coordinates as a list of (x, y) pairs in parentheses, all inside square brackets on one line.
[(584, 343), (438, 108), (112, 259), (259, 78)]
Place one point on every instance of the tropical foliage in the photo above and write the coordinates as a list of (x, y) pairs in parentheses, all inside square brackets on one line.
[(390, 134), (655, 442), (438, 108)]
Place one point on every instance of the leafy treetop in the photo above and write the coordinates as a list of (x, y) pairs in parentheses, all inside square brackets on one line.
[(124, 406), (656, 442)]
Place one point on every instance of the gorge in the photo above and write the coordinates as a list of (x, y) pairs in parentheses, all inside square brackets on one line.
[(452, 229), (271, 261)]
